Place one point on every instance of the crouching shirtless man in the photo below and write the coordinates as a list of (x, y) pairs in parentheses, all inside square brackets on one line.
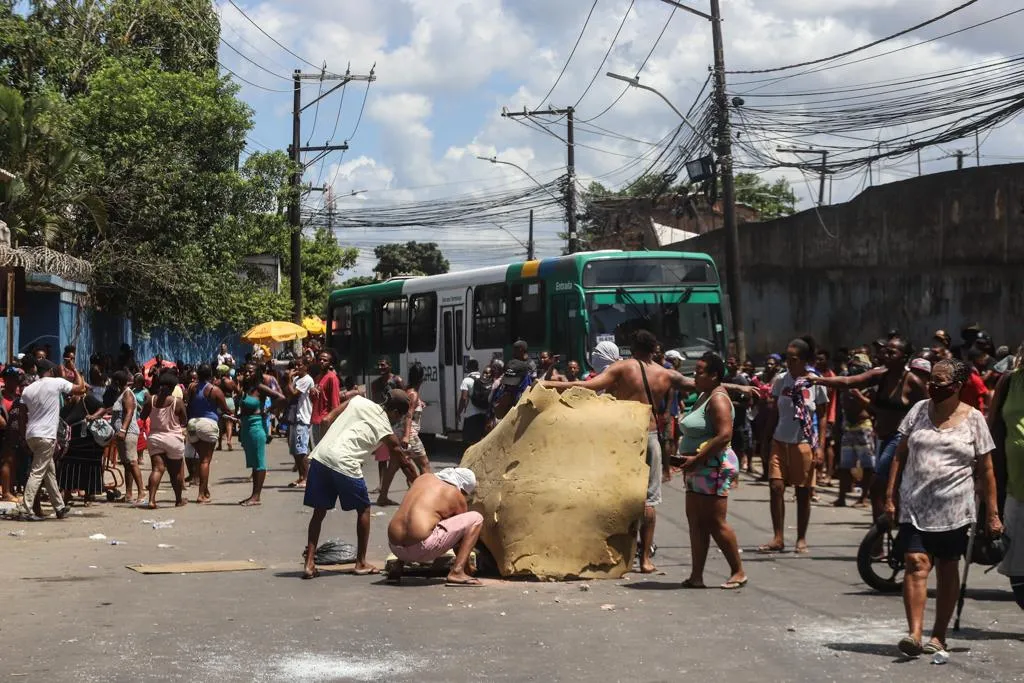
[(434, 518)]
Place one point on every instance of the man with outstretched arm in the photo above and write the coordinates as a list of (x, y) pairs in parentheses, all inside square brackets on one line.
[(641, 379), (357, 428), (434, 518)]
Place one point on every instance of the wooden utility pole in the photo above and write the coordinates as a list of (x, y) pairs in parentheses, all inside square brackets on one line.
[(732, 248), (529, 241), (570, 164), (296, 149)]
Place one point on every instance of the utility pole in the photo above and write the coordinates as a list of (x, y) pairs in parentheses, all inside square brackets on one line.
[(919, 162), (529, 241), (296, 149), (959, 159), (732, 248), (977, 148), (570, 186), (823, 170)]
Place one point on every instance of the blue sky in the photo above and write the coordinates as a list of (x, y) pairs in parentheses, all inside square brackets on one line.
[(445, 69)]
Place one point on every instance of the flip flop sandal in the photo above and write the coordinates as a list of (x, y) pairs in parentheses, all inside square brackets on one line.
[(692, 585), (910, 647), (734, 585), (932, 647)]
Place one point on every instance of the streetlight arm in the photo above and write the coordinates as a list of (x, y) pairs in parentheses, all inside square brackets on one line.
[(510, 234), (635, 82), (496, 160)]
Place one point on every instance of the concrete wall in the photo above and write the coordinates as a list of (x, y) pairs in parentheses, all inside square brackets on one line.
[(939, 251)]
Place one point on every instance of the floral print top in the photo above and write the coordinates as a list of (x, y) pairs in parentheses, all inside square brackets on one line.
[(937, 490)]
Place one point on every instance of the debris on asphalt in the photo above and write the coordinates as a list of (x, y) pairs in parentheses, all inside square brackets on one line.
[(584, 587), (16, 532), (165, 524), (608, 607), (97, 537), (116, 542), (164, 545), (941, 657)]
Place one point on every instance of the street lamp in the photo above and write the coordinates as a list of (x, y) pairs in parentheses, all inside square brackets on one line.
[(496, 160), (635, 82)]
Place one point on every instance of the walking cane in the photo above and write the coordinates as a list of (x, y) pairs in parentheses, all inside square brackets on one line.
[(967, 567)]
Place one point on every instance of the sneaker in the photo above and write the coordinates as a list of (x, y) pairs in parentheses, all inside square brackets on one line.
[(31, 517), (63, 512)]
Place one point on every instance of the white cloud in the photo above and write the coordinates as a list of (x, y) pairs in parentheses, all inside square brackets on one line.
[(445, 69)]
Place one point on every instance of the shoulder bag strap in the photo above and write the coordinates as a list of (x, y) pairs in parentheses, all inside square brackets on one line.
[(650, 399)]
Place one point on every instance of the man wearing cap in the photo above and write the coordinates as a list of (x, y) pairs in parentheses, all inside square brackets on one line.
[(42, 403), (434, 518), (357, 428), (518, 378)]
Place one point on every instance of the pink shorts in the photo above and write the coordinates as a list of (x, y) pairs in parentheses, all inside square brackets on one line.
[(382, 454), (446, 535)]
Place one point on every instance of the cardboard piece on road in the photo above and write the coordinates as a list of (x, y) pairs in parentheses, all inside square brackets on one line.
[(197, 567), (439, 567)]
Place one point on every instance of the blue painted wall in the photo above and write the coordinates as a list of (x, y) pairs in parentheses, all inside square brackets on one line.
[(3, 337), (194, 348)]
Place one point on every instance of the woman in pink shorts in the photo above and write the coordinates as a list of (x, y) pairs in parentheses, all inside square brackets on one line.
[(711, 469), (167, 417)]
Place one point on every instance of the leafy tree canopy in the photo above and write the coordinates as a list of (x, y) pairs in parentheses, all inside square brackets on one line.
[(411, 258), (771, 200)]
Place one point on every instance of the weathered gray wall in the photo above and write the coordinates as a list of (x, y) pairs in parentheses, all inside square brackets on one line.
[(933, 252)]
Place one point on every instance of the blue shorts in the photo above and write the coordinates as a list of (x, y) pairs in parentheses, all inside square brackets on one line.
[(885, 453), (298, 439), (324, 487)]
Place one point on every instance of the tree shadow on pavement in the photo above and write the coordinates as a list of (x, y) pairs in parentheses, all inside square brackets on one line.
[(968, 633)]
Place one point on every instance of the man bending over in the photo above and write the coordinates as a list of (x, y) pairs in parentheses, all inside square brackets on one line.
[(433, 519)]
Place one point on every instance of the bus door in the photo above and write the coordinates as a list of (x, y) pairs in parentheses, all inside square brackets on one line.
[(361, 329), (449, 362), (567, 329)]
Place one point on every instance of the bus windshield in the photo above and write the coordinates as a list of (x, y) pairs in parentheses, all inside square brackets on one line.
[(690, 328)]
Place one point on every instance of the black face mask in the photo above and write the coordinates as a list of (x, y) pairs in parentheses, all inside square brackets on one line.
[(940, 394)]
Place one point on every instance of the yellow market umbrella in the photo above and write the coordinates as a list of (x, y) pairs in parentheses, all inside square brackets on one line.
[(314, 325), (275, 331)]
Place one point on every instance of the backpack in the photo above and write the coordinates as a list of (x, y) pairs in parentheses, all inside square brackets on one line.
[(480, 396)]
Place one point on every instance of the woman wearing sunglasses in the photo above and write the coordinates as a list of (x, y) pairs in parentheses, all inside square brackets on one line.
[(944, 443)]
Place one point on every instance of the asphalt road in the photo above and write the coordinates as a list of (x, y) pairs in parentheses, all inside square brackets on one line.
[(74, 612)]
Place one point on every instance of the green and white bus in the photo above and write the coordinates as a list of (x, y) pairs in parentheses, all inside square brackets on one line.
[(564, 304)]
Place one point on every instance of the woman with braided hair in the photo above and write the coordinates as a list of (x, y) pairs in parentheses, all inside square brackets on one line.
[(944, 443), (1006, 420)]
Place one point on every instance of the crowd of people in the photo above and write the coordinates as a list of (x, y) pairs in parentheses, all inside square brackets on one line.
[(923, 433)]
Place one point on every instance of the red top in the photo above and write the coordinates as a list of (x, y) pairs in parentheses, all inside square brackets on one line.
[(974, 392), (327, 398)]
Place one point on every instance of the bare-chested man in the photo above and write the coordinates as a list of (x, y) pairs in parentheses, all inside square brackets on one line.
[(624, 379), (433, 519)]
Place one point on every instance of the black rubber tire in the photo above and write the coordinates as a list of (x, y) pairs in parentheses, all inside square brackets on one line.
[(890, 582)]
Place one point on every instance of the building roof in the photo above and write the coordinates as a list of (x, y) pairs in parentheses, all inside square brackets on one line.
[(666, 235)]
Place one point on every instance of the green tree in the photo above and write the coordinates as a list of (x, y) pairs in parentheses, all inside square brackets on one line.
[(163, 147), (771, 200), (411, 258), (357, 281), (45, 196)]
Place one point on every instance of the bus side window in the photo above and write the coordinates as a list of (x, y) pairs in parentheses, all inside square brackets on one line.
[(490, 316), (528, 313), (341, 328), (391, 325), (422, 322)]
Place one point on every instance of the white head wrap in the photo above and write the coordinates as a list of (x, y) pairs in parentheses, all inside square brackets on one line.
[(603, 355), (460, 477)]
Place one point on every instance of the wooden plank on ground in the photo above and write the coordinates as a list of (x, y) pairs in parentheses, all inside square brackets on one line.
[(197, 567)]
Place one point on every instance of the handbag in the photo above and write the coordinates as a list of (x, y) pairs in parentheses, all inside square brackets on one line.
[(102, 431)]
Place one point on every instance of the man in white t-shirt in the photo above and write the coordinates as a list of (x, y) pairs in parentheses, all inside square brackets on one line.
[(357, 428), (299, 386), (474, 401), (42, 401)]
